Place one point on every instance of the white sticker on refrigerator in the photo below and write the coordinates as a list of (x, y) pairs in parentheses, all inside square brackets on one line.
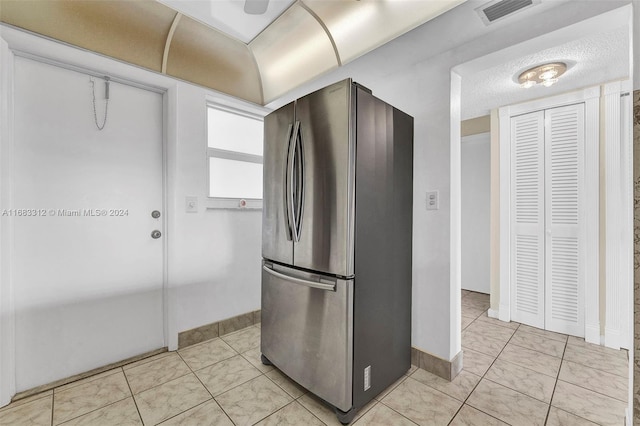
[(367, 377)]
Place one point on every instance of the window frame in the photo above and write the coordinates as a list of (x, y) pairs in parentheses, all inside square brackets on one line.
[(230, 202)]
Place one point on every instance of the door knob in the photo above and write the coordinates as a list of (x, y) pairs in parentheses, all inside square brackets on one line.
[(156, 234), (155, 214)]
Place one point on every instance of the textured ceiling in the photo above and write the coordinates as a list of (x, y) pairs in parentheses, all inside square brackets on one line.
[(591, 60)]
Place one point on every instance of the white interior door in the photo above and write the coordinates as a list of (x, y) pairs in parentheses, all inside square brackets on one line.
[(547, 193), (88, 276), (527, 219), (564, 187)]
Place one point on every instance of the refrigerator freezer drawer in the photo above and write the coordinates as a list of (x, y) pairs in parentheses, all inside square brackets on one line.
[(307, 331)]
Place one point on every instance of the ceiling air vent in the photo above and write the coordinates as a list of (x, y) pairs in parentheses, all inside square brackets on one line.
[(498, 9)]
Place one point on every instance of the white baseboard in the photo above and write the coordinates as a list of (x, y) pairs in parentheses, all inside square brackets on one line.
[(612, 338), (492, 313), (504, 314), (592, 333)]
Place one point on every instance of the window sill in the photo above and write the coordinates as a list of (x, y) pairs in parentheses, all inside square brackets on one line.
[(233, 204)]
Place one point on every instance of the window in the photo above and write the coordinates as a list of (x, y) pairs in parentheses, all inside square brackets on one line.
[(234, 154)]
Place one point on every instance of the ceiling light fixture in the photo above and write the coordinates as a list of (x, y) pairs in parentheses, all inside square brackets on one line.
[(545, 74)]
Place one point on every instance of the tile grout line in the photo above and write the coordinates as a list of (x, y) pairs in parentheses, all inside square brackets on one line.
[(93, 411), (529, 369), (182, 412), (596, 368), (143, 361), (271, 414), (14, 404), (397, 412), (53, 402), (483, 377), (132, 395), (283, 389), (160, 384), (361, 414), (293, 399), (557, 376), (235, 386), (546, 419), (540, 352), (573, 414), (205, 387), (543, 336), (223, 410), (93, 377), (522, 393), (591, 390), (303, 406)]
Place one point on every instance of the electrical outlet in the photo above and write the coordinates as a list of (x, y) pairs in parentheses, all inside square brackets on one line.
[(433, 200)]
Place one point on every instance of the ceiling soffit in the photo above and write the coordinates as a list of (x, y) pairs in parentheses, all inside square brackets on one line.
[(294, 49), (310, 38), (358, 27), (211, 59), (133, 31), (291, 51)]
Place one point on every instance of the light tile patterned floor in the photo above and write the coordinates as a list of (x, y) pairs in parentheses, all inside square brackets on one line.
[(513, 374)]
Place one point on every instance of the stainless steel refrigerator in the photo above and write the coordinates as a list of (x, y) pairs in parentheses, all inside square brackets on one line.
[(336, 243)]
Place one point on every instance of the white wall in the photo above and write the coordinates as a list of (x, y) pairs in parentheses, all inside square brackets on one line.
[(476, 195), (215, 254), (7, 317)]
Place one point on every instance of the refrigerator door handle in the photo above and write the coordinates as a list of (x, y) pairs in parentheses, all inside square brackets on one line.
[(299, 190), (288, 200), (291, 187), (307, 283)]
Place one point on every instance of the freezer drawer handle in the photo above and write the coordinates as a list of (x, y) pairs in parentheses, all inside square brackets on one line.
[(321, 286)]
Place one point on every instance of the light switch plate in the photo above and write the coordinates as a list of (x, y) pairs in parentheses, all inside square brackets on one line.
[(191, 204), (433, 200)]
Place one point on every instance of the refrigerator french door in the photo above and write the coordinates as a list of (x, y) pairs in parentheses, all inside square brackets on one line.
[(336, 276), (309, 161)]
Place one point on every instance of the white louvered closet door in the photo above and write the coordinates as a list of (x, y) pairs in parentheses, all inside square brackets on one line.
[(564, 188), (527, 226)]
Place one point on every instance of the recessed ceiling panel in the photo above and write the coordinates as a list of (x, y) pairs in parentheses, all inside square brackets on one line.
[(208, 57), (360, 26), (133, 31), (229, 16), (291, 51)]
